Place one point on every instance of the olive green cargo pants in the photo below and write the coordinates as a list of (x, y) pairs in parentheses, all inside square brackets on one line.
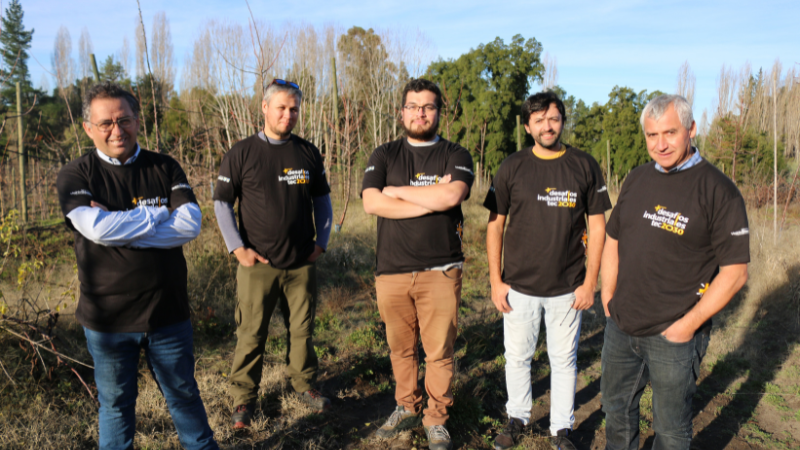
[(260, 288)]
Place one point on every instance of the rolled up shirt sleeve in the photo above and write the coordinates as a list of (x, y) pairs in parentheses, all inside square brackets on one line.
[(182, 226)]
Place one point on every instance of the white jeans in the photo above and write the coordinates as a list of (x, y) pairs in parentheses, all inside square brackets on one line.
[(521, 329)]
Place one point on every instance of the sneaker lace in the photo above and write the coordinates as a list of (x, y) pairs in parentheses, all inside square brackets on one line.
[(395, 418), (438, 433)]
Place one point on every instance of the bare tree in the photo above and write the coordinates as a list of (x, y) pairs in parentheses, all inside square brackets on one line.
[(85, 49), (792, 114), (141, 58), (161, 49), (125, 56), (702, 129), (550, 79), (686, 82), (63, 64), (727, 84)]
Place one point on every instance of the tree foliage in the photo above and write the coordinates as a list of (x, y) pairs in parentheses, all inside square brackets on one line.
[(484, 90), (15, 41)]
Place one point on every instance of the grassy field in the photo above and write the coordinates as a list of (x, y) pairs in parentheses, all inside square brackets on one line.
[(748, 397)]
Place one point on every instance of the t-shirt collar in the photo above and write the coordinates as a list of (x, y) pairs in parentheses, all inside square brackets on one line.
[(424, 144), (266, 138), (689, 163), (115, 161)]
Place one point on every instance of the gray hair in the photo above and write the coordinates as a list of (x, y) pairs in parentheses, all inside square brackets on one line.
[(658, 106), (273, 88), (107, 89)]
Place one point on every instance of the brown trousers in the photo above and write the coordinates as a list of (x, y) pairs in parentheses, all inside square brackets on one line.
[(421, 304)]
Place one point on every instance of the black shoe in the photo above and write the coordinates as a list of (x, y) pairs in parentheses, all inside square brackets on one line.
[(438, 437), (508, 438), (314, 400), (399, 420), (560, 441), (242, 415)]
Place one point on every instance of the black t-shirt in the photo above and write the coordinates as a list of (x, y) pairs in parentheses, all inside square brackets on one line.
[(674, 230), (127, 289), (275, 185), (408, 245), (546, 201)]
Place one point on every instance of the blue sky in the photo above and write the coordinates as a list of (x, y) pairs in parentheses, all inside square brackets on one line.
[(598, 44)]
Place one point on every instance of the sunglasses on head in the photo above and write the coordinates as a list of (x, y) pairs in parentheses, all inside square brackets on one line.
[(285, 83)]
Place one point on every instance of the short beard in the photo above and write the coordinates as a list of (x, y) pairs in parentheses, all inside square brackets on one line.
[(424, 136), (551, 147)]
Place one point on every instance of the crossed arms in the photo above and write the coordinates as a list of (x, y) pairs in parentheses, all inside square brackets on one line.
[(142, 227), (406, 202)]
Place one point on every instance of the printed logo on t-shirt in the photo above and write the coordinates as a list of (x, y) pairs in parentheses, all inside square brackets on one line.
[(465, 169), (460, 233), (225, 179), (181, 186), (295, 176), (154, 201), (703, 289), (742, 232), (369, 169), (558, 199), (421, 179), (81, 192), (602, 189), (673, 222)]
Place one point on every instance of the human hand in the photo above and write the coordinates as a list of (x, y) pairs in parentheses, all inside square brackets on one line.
[(678, 333), (605, 301), (94, 204), (317, 252), (445, 179), (584, 297), (500, 296), (248, 257)]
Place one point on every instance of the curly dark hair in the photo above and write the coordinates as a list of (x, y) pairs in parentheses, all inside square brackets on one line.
[(107, 89), (541, 102)]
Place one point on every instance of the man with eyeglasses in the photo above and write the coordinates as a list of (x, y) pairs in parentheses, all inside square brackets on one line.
[(415, 185), (279, 180), (131, 210)]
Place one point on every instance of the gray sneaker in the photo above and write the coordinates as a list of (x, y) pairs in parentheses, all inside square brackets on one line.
[(438, 438), (399, 420)]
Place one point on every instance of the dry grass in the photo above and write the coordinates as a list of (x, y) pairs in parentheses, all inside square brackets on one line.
[(748, 392)]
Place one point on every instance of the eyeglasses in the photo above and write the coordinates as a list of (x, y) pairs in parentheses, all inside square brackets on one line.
[(284, 83), (108, 125), (429, 109)]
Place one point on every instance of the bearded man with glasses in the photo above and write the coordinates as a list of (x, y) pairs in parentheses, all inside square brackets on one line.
[(279, 181), (131, 210), (415, 185)]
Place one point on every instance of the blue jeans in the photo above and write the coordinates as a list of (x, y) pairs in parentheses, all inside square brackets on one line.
[(628, 363), (169, 355)]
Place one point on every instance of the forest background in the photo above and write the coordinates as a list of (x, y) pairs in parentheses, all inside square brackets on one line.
[(352, 80)]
